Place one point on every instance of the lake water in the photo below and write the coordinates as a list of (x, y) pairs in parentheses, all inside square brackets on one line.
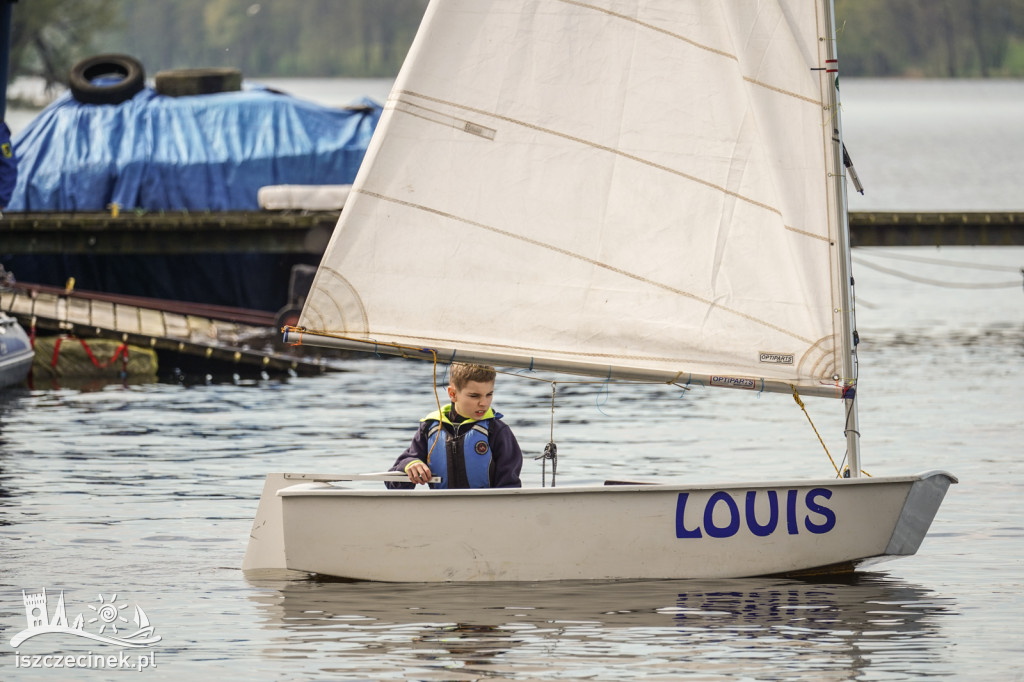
[(147, 492)]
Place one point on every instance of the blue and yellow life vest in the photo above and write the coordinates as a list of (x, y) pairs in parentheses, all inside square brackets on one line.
[(476, 449)]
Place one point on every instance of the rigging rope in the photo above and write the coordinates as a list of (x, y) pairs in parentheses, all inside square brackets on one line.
[(936, 282), (550, 450), (796, 397), (437, 399), (939, 261)]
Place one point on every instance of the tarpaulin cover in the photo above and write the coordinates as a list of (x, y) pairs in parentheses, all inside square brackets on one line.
[(203, 152)]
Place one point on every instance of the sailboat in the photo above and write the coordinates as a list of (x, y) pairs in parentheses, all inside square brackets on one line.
[(638, 190)]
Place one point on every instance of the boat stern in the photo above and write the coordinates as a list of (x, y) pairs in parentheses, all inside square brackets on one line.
[(919, 509), (265, 550)]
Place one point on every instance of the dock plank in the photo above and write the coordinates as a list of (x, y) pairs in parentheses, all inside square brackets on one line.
[(191, 334)]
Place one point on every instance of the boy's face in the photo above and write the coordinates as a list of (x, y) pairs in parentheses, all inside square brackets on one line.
[(474, 399)]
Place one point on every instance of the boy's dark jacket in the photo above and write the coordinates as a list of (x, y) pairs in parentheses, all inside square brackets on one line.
[(506, 457)]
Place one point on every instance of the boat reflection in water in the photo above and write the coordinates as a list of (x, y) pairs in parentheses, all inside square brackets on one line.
[(775, 626)]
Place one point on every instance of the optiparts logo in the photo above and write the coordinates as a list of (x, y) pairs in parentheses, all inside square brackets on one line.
[(109, 621), (776, 358)]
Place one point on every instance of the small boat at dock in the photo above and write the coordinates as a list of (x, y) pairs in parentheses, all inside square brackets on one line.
[(16, 352)]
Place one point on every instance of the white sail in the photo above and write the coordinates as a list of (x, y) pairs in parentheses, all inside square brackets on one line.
[(645, 186)]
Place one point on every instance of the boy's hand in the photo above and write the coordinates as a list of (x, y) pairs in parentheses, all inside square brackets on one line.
[(418, 472)]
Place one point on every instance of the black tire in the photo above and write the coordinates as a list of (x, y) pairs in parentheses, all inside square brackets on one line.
[(133, 79), (184, 82)]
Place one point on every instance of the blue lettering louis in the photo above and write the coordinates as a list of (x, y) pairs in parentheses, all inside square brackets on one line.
[(818, 519)]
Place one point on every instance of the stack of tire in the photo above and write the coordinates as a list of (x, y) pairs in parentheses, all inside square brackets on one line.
[(116, 78)]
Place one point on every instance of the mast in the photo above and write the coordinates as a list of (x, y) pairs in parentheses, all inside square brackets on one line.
[(849, 331)]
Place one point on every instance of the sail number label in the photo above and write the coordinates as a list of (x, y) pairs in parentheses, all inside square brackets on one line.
[(724, 515)]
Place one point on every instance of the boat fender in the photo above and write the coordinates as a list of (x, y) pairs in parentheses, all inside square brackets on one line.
[(128, 72), (55, 359)]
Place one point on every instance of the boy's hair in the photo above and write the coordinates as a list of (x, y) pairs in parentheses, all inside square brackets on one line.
[(460, 373)]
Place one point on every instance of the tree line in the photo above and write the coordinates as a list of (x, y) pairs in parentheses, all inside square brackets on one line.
[(361, 38), (931, 38), (263, 38)]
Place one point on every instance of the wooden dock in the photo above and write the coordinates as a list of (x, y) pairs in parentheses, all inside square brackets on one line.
[(240, 337), (164, 233), (291, 232), (226, 336), (937, 229)]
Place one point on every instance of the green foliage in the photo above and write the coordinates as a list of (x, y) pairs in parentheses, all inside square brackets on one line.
[(325, 38), (1013, 65), (261, 37), (49, 36), (272, 37), (930, 38)]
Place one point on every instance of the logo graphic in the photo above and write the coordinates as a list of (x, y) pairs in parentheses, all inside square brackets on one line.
[(481, 448), (106, 616), (733, 382), (776, 358)]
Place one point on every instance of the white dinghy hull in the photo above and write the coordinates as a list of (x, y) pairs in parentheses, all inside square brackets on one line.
[(626, 531)]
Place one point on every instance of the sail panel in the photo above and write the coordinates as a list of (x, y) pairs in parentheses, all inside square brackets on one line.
[(639, 184)]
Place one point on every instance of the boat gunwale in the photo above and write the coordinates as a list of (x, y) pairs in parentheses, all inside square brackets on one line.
[(326, 489)]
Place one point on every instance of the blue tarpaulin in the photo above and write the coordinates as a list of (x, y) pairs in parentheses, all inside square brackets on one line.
[(197, 153)]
